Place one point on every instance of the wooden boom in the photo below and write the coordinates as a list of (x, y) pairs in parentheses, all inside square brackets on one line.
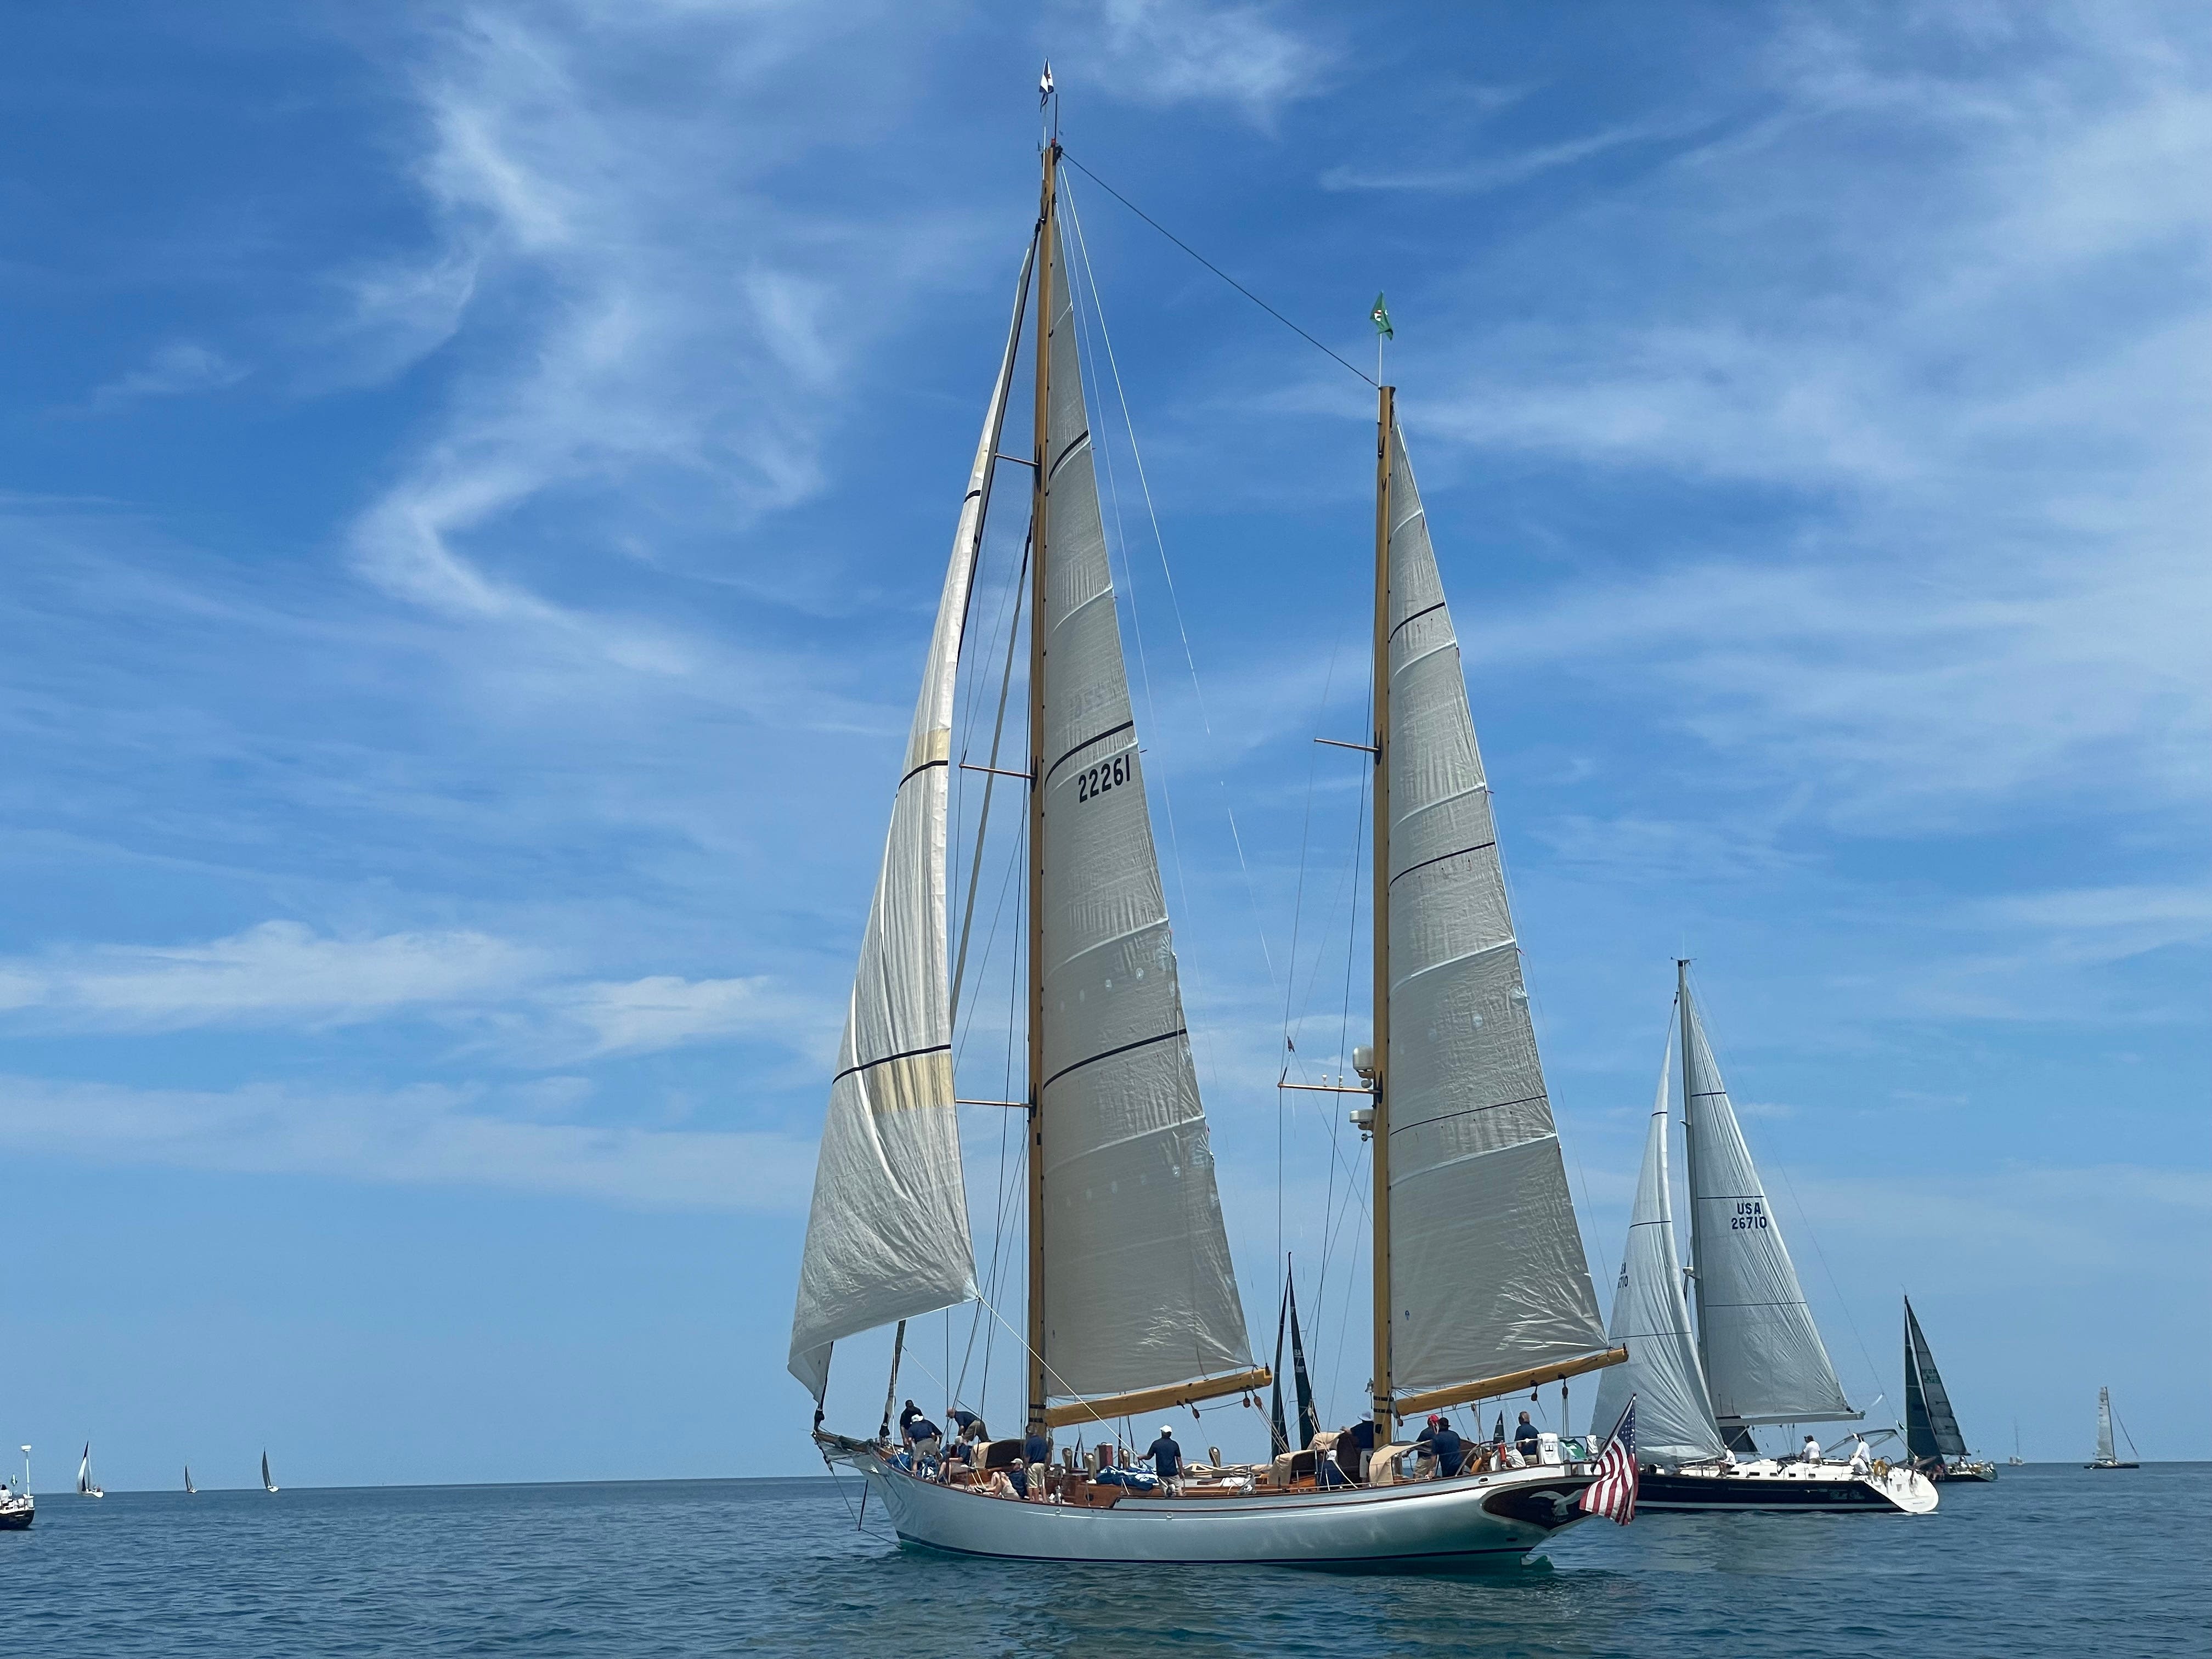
[(1458, 1394), (1109, 1406)]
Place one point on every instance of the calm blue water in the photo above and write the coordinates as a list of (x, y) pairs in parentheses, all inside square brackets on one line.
[(2051, 1561)]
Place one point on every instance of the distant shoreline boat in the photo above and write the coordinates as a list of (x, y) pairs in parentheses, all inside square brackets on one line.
[(2016, 1460), (16, 1507), (2108, 1457)]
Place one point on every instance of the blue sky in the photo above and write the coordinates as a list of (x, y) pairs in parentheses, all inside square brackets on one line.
[(475, 481)]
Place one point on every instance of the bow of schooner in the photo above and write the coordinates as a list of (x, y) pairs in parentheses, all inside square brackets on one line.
[(1480, 1287)]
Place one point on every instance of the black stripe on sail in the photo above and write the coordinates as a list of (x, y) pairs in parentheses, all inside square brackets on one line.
[(869, 1064), (1053, 471), (1466, 1111), (1416, 616), (1125, 726), (918, 771), (1478, 846), (1109, 1054)]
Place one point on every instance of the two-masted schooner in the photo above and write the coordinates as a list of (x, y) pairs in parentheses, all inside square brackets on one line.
[(1480, 1287), (1755, 1357)]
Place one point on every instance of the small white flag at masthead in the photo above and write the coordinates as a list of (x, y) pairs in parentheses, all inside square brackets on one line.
[(1044, 84)]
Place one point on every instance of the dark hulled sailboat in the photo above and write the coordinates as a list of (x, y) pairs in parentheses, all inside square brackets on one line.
[(1932, 1428)]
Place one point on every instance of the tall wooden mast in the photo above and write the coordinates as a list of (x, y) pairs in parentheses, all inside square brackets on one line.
[(1039, 551), (1380, 1082)]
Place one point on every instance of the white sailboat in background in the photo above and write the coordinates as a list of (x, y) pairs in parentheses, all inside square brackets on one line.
[(1133, 1300), (86, 1486), (1757, 1356), (267, 1485), (189, 1488), (2108, 1456)]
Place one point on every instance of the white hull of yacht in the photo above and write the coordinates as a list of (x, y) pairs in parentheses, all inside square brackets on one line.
[(1773, 1486), (1437, 1526)]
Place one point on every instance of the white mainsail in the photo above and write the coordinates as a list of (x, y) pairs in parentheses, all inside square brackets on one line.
[(2106, 1452), (1487, 1274), (887, 1233), (1651, 1319), (1765, 1361), (1140, 1291)]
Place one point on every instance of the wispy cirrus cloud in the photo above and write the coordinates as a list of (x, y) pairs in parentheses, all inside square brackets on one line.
[(180, 368), (521, 1002), (1501, 171), (278, 972), (1250, 56), (428, 1134)]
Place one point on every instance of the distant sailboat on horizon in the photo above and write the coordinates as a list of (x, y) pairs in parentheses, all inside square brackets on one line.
[(189, 1488), (267, 1485), (86, 1486), (2108, 1457)]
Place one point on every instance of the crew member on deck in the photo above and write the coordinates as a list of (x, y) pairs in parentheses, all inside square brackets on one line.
[(1167, 1457), (1036, 1448), (1811, 1453), (923, 1436), (1451, 1450), (1352, 1447), (967, 1427), (1527, 1438), (907, 1414)]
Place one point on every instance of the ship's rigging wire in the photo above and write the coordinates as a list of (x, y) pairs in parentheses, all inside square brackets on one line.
[(1210, 265)]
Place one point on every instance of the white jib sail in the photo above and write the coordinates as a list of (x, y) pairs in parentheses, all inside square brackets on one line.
[(2106, 1453), (1765, 1361), (1651, 1319), (1487, 1274), (1139, 1290), (887, 1234)]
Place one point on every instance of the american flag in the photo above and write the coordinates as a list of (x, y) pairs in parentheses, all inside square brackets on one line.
[(1613, 1491)]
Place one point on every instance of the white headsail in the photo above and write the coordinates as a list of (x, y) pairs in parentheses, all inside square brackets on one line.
[(1651, 1319), (1765, 1361), (2106, 1451), (1487, 1272), (887, 1234), (1140, 1291)]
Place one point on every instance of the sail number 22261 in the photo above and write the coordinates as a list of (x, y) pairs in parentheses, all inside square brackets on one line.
[(1096, 780)]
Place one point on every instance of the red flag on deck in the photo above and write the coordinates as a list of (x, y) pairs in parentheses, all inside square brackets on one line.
[(1614, 1492)]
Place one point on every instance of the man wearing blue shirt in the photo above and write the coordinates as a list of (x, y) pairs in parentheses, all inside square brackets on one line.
[(1166, 1455)]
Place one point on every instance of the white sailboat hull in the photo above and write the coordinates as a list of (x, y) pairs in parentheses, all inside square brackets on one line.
[(1776, 1486), (1490, 1520)]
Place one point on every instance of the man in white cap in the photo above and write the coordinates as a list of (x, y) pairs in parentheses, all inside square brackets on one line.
[(1167, 1458)]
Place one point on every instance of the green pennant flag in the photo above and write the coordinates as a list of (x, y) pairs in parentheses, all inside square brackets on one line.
[(1381, 318)]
